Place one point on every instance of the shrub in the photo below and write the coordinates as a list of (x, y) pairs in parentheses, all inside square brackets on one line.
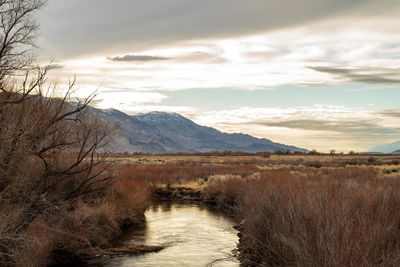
[(315, 164), (52, 151), (226, 193), (344, 217), (130, 198)]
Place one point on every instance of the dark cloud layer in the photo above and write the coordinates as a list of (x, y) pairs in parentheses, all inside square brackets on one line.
[(395, 113), (364, 75), (195, 57), (349, 128), (130, 58), (92, 26)]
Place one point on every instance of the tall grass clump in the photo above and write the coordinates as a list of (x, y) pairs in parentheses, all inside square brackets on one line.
[(226, 193), (339, 217), (130, 197)]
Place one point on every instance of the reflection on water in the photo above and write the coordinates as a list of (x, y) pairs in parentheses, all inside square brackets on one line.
[(193, 235)]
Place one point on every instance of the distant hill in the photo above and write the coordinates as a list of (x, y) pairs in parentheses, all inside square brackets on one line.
[(387, 148), (161, 132), (396, 152)]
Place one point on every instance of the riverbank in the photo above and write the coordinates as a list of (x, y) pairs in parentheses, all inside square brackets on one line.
[(290, 201), (84, 228), (295, 210)]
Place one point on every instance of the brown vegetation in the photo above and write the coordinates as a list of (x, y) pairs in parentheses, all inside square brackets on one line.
[(60, 199), (339, 217), (55, 196), (302, 210), (51, 155)]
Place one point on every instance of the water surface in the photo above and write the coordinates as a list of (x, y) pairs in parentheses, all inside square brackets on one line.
[(193, 235)]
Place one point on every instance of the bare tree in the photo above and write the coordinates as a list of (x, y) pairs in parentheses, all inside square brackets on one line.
[(17, 35), (52, 150)]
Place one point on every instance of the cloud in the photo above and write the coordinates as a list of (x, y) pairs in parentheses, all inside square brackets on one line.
[(265, 61), (265, 55), (183, 110), (191, 57), (395, 113), (135, 25), (322, 53), (318, 126), (129, 98), (138, 58), (200, 57), (349, 128), (364, 75)]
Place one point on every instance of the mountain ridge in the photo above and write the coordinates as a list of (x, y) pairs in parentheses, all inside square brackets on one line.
[(387, 148), (163, 132)]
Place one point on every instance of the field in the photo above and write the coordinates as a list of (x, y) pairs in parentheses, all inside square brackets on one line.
[(297, 209), (302, 210)]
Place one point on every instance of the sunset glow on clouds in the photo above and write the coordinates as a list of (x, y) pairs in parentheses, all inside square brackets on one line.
[(319, 78)]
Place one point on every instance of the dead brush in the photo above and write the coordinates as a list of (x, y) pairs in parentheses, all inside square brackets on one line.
[(131, 197), (39, 245), (183, 171), (226, 193), (81, 232), (346, 217)]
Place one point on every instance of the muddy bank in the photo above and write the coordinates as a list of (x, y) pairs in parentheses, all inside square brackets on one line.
[(178, 192), (130, 250), (86, 259)]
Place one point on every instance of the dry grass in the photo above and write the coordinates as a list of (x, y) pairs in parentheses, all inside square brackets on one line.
[(130, 197), (226, 193), (76, 231), (340, 217), (302, 210), (299, 210)]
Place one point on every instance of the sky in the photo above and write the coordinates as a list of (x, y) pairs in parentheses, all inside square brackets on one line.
[(318, 74)]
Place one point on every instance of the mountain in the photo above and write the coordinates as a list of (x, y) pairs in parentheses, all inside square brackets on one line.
[(396, 152), (387, 148), (161, 132)]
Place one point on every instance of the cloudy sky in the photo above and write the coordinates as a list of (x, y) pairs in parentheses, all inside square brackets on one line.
[(321, 74)]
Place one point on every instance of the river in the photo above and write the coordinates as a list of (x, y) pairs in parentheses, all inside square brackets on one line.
[(192, 234)]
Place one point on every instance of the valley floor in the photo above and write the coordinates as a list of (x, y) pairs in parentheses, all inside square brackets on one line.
[(302, 210)]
